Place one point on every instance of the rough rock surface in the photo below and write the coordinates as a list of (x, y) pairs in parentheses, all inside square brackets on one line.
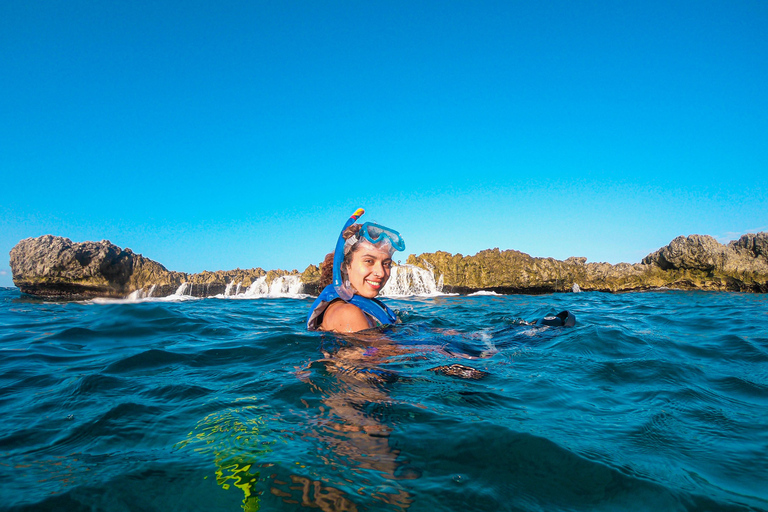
[(311, 279), (52, 266), (689, 263)]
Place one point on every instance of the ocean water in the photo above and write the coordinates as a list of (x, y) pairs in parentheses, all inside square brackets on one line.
[(653, 401)]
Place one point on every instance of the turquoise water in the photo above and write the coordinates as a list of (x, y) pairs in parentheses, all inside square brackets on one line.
[(654, 401)]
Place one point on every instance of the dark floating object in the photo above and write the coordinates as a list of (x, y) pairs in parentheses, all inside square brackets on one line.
[(562, 319), (461, 371)]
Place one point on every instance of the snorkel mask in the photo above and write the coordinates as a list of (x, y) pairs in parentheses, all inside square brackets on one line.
[(377, 235)]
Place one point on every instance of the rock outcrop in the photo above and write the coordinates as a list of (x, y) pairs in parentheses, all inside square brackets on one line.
[(51, 266), (695, 262)]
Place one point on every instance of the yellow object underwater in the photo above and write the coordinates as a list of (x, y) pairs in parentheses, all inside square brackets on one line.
[(233, 437)]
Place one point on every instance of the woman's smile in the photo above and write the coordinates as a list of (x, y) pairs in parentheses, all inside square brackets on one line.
[(369, 270)]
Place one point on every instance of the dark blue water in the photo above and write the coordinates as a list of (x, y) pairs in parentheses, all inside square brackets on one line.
[(654, 401)]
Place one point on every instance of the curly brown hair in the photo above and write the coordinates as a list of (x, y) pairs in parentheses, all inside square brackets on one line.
[(326, 267), (326, 270)]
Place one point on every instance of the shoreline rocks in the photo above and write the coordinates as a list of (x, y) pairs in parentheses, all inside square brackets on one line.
[(694, 262), (55, 267)]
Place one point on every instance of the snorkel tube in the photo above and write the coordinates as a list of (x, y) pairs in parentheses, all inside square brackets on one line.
[(338, 257)]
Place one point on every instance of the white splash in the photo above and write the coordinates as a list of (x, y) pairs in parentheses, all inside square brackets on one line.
[(258, 287), (141, 293), (144, 295), (286, 285), (407, 280), (482, 292), (183, 289), (283, 286)]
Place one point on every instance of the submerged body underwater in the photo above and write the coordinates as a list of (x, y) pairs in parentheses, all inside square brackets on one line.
[(652, 401)]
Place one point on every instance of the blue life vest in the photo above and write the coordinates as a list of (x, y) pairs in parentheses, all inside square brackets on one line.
[(374, 309)]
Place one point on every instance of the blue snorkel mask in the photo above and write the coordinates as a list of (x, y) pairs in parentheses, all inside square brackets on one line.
[(373, 233)]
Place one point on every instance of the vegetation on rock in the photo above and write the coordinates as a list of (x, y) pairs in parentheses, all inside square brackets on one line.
[(693, 262)]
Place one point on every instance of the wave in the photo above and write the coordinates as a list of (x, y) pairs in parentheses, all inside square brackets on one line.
[(410, 280), (405, 281)]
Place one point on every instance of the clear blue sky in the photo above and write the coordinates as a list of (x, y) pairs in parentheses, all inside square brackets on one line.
[(216, 135)]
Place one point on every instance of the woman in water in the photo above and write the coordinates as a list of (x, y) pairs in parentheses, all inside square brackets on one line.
[(362, 263), (351, 382)]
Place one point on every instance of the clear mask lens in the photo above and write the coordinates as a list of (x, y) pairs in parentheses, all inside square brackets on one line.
[(377, 234)]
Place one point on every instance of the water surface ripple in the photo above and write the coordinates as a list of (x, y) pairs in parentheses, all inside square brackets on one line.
[(654, 401)]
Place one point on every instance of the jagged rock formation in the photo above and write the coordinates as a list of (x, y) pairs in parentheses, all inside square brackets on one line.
[(311, 279), (51, 266), (689, 263)]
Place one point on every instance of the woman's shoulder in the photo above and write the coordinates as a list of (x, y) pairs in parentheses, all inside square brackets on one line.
[(344, 317)]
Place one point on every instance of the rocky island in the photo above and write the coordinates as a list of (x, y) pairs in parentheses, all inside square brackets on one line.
[(55, 267)]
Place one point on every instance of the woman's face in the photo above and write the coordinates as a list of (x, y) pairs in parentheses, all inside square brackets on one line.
[(369, 270)]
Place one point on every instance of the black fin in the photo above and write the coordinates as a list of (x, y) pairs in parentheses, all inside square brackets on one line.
[(562, 319)]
